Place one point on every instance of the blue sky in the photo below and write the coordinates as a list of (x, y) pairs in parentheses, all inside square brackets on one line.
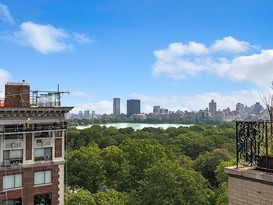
[(178, 54)]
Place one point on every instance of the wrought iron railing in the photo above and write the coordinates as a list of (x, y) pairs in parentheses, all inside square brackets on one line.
[(32, 127), (253, 143)]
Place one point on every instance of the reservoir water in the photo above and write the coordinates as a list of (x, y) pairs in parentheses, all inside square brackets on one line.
[(138, 126)]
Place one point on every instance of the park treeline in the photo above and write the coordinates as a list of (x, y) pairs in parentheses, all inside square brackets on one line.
[(186, 120), (152, 166)]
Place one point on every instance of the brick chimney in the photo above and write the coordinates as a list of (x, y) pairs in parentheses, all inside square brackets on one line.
[(17, 94)]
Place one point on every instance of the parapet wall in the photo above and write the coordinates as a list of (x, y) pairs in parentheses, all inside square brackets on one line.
[(249, 186)]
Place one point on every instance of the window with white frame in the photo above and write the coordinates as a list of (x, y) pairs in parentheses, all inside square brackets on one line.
[(41, 154), (12, 181), (42, 177), (14, 155)]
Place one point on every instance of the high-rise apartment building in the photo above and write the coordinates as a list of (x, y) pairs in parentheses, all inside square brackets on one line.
[(257, 107), (212, 107), (32, 147), (133, 107), (116, 107), (156, 110), (239, 106)]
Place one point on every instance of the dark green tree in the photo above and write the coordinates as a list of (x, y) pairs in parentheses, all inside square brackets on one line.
[(207, 162), (167, 183), (79, 197), (85, 168)]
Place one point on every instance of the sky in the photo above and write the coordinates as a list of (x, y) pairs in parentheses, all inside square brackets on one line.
[(178, 54)]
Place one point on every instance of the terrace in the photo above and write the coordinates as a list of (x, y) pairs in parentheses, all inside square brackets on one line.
[(254, 144)]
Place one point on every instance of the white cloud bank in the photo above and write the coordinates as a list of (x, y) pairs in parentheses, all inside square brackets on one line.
[(46, 38), (101, 107), (223, 58), (199, 102), (5, 15)]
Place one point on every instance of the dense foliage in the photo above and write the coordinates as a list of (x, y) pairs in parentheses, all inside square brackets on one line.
[(149, 119), (175, 166)]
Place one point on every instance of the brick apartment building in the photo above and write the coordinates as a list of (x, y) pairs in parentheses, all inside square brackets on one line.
[(32, 132)]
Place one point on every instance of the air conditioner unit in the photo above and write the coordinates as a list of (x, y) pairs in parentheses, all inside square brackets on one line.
[(46, 157), (6, 163)]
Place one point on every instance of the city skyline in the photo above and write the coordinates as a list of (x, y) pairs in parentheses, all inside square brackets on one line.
[(145, 50), (157, 109)]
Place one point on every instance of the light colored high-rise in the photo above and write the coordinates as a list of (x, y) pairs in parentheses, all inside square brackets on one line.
[(212, 107), (116, 106), (156, 110)]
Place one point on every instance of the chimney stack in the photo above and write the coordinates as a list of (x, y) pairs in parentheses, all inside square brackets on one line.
[(17, 94)]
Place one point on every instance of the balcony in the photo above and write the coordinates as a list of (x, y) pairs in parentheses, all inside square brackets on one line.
[(32, 127), (254, 144)]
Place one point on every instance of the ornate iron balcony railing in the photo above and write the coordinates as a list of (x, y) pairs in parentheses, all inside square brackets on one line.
[(253, 142)]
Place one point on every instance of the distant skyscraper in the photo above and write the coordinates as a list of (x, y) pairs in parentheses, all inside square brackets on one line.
[(116, 106), (239, 106), (212, 107), (133, 107), (257, 107), (156, 110)]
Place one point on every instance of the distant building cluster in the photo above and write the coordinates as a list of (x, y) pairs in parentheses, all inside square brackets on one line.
[(242, 112)]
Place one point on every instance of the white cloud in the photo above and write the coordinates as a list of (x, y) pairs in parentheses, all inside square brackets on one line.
[(256, 68), (5, 77), (79, 94), (43, 38), (199, 102), (100, 107), (82, 38), (155, 100), (178, 62), (231, 45), (46, 38), (5, 15)]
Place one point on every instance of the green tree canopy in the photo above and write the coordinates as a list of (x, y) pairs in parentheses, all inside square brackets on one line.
[(207, 162), (167, 183), (85, 168)]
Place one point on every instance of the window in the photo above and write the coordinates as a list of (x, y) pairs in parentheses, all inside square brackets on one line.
[(42, 199), (43, 134), (43, 154), (43, 177), (13, 136), (58, 133), (14, 156), (12, 181), (13, 202)]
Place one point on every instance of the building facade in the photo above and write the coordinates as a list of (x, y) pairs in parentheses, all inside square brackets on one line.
[(116, 107), (32, 146), (156, 110), (212, 107), (133, 107)]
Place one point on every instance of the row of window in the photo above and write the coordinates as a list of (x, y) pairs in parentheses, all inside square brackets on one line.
[(17, 136), (16, 155), (41, 199), (14, 181)]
